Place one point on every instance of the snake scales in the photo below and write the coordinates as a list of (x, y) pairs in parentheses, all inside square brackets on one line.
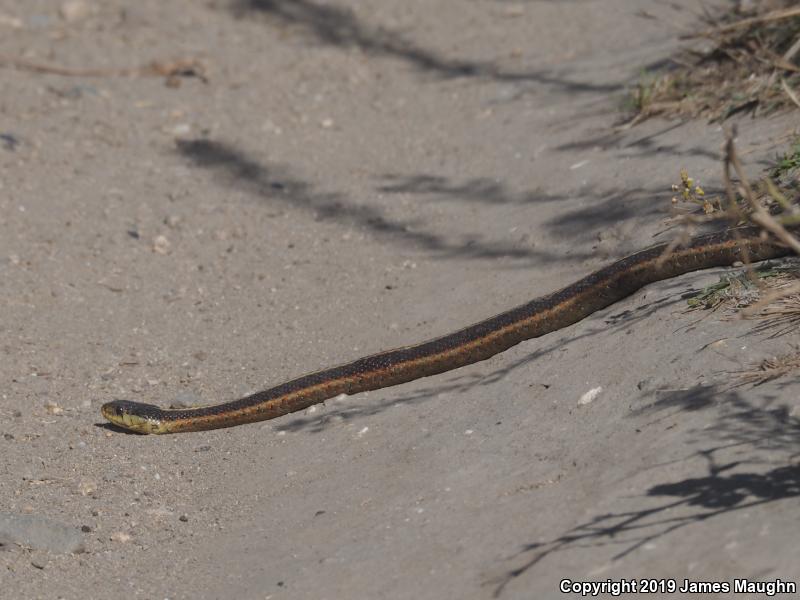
[(463, 347)]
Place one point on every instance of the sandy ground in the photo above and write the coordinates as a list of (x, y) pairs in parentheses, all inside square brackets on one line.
[(356, 176)]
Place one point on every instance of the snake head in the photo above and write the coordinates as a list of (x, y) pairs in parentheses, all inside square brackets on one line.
[(133, 416)]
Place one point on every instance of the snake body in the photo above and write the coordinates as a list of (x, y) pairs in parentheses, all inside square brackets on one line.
[(466, 346)]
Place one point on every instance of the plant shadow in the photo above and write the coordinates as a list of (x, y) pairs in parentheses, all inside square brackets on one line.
[(749, 426), (341, 27)]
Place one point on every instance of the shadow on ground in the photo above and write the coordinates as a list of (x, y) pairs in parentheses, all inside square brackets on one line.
[(479, 190), (752, 426), (341, 27), (274, 183), (604, 208), (648, 145)]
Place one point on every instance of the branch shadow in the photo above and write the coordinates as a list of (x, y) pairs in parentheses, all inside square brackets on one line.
[(646, 146), (274, 183), (340, 27), (481, 190), (610, 209), (602, 209), (724, 488)]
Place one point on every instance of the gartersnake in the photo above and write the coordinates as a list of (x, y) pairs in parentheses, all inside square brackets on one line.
[(465, 346)]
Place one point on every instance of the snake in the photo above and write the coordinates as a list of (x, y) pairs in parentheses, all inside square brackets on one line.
[(466, 346)]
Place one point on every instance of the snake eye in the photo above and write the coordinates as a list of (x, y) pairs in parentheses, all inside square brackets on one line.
[(115, 408)]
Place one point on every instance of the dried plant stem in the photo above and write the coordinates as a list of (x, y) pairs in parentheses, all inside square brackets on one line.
[(775, 15), (794, 49), (770, 298), (790, 92), (174, 68), (759, 216)]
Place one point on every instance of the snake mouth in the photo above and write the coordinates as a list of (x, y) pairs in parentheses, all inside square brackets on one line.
[(133, 416)]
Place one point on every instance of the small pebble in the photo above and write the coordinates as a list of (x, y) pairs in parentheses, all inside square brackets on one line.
[(53, 408), (10, 141), (161, 245), (578, 165), (590, 396), (74, 10), (514, 10), (39, 559), (182, 129), (183, 518), (87, 487)]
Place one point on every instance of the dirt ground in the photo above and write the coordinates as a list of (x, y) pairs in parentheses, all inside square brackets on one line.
[(355, 176)]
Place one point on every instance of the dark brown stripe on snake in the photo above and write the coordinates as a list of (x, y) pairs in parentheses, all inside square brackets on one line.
[(465, 346)]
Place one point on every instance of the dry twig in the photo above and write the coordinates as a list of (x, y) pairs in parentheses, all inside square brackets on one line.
[(759, 215), (790, 92), (172, 70), (775, 15), (771, 368), (740, 72)]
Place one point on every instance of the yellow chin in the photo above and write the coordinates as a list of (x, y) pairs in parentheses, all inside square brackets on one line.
[(134, 423)]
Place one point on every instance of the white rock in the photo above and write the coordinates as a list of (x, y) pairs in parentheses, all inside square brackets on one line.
[(590, 395)]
